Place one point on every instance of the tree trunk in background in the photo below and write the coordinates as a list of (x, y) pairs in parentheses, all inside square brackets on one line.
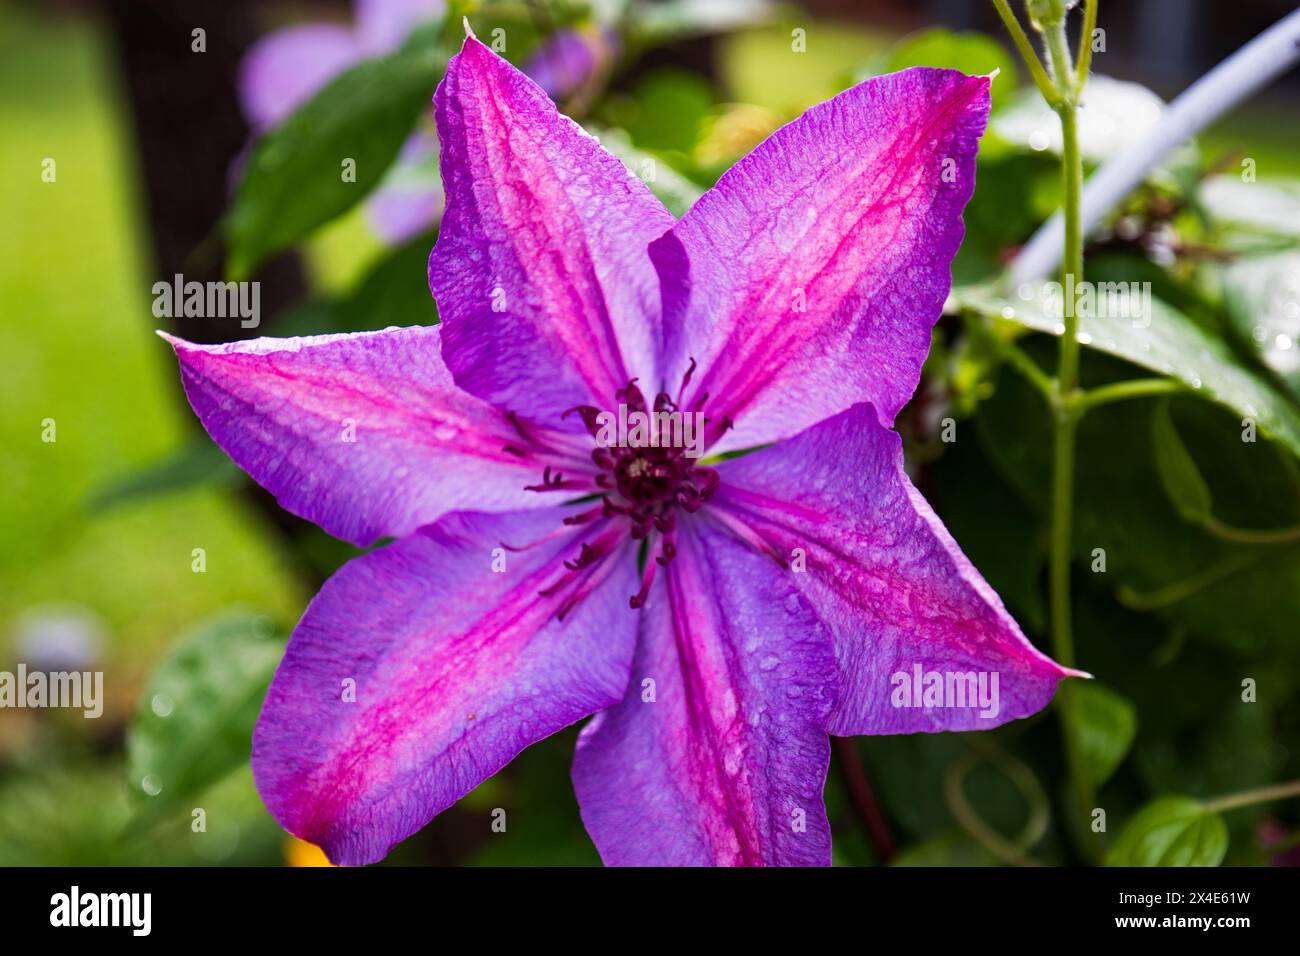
[(188, 131)]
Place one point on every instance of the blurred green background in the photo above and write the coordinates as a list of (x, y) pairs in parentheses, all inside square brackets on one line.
[(98, 528)]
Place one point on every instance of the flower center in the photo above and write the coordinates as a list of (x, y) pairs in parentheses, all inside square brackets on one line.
[(647, 456)]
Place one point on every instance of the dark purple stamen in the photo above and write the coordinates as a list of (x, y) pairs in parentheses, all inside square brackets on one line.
[(555, 481), (645, 484)]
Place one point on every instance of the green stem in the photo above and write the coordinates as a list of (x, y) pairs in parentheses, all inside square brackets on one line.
[(1119, 391), (1061, 611), (1029, 369), (1062, 95), (1013, 353), (1066, 422), (1072, 272), (1182, 590), (1278, 791), (1014, 852), (1058, 56), (1085, 43), (1250, 535), (1026, 50)]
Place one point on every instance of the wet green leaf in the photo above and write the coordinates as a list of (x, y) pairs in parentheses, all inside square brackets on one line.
[(1117, 112), (1165, 341), (1262, 209), (294, 178), (195, 718), (1122, 514), (1262, 296), (665, 21)]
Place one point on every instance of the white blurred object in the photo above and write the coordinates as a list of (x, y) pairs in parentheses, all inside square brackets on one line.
[(65, 637), (1234, 80), (1113, 113)]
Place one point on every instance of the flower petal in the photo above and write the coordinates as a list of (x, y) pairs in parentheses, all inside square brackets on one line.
[(284, 69), (455, 669), (363, 434), (547, 294), (885, 575), (726, 765), (810, 276)]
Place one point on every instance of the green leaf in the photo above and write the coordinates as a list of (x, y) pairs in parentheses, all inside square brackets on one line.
[(1108, 723), (1182, 481), (1256, 208), (996, 529), (545, 828), (1171, 831), (1262, 296), (951, 848), (293, 180), (1118, 113), (1121, 508), (673, 189), (395, 291), (195, 718), (195, 464), (1016, 192), (1165, 341), (665, 111)]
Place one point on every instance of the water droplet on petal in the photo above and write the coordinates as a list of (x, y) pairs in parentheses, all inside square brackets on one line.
[(731, 762)]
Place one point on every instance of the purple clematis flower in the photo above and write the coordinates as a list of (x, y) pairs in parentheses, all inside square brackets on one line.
[(779, 595)]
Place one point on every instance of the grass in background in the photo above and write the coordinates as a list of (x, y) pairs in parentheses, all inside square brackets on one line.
[(77, 346)]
